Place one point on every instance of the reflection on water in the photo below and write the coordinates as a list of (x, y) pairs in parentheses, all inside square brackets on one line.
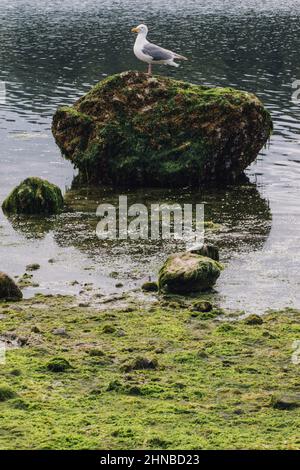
[(52, 52), (68, 249)]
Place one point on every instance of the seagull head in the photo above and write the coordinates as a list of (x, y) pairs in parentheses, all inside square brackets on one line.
[(140, 29)]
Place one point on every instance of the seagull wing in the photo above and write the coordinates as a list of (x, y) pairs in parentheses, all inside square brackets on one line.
[(156, 52)]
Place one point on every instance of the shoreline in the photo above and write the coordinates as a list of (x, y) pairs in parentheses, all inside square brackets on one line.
[(156, 376)]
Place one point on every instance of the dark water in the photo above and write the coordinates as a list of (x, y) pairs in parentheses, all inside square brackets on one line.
[(51, 52)]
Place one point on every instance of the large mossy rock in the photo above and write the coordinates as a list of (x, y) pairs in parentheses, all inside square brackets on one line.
[(188, 272), (34, 196), (8, 288), (132, 129)]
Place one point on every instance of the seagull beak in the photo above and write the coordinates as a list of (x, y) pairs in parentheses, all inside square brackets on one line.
[(135, 30)]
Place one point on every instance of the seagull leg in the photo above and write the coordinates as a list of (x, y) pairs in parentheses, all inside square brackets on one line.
[(150, 69)]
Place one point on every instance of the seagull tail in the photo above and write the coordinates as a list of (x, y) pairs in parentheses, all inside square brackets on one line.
[(180, 57)]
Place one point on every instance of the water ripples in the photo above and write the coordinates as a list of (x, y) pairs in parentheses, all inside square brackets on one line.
[(52, 52)]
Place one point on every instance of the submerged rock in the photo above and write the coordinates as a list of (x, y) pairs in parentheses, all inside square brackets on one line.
[(188, 272), (9, 289), (136, 130), (34, 196), (33, 267)]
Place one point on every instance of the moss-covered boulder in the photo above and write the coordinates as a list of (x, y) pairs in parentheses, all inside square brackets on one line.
[(132, 129), (9, 289), (34, 196), (188, 272)]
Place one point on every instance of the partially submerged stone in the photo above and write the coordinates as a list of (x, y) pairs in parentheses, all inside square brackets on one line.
[(132, 129), (209, 250), (150, 286), (9, 289), (33, 267), (188, 272), (34, 196)]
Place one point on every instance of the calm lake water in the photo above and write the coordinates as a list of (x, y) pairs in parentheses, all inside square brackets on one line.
[(51, 52)]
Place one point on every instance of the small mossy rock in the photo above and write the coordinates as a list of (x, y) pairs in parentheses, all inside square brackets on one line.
[(286, 401), (141, 363), (8, 289), (6, 393), (109, 329), (132, 129), (33, 267), (208, 250), (58, 364), (201, 306), (188, 272), (34, 196), (94, 352), (150, 286), (253, 320)]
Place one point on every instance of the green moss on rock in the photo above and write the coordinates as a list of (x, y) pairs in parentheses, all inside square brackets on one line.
[(188, 272), (34, 196), (134, 129)]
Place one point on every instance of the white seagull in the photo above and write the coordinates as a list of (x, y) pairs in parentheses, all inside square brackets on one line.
[(150, 53)]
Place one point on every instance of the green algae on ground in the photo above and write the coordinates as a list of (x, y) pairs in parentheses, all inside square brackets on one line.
[(34, 196), (214, 387), (132, 129)]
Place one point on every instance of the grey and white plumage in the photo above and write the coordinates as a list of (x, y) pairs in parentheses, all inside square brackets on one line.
[(150, 53)]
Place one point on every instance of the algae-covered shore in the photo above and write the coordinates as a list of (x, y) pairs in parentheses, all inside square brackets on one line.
[(151, 376)]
